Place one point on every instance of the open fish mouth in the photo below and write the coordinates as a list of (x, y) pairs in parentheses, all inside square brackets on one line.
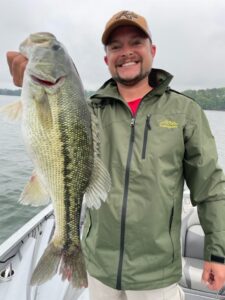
[(47, 82)]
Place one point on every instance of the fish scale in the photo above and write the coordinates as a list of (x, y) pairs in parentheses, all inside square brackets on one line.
[(77, 169)]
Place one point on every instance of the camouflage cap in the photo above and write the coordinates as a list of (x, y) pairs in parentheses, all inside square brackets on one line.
[(122, 18)]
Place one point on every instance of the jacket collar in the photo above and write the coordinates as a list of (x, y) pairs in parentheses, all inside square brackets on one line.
[(158, 79)]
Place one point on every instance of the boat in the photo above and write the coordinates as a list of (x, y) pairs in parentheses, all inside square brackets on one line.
[(20, 253)]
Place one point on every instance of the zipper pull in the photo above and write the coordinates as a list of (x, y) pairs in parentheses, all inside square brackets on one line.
[(132, 123), (148, 124)]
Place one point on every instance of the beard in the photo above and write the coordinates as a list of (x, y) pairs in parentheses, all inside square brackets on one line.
[(131, 81)]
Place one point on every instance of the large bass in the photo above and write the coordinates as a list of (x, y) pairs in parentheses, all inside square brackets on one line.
[(61, 136)]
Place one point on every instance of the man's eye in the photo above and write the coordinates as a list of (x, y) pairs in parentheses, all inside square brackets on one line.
[(114, 46), (137, 42)]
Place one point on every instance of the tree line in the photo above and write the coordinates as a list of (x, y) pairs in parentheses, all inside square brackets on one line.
[(8, 92), (208, 99)]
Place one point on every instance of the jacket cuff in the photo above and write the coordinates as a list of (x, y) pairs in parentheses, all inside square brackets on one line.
[(214, 249), (217, 259)]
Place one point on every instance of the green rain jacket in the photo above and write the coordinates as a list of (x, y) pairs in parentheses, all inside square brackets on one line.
[(133, 241)]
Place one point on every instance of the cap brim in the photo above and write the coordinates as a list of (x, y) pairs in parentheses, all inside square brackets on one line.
[(122, 22)]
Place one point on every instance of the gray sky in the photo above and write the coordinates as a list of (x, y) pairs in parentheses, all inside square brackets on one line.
[(189, 35)]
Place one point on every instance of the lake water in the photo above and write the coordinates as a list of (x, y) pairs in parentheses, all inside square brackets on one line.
[(16, 168)]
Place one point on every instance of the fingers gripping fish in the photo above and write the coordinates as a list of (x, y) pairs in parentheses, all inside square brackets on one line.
[(61, 136)]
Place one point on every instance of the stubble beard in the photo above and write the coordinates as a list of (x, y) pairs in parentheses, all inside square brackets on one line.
[(132, 81)]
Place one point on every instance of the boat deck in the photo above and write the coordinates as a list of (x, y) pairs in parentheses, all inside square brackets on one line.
[(20, 253)]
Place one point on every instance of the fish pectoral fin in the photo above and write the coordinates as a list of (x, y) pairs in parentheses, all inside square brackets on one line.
[(100, 181), (99, 186), (34, 193), (12, 111)]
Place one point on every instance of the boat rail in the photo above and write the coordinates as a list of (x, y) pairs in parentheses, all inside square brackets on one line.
[(15, 240)]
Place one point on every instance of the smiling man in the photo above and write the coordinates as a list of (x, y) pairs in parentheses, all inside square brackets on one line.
[(129, 56), (132, 244), (152, 140)]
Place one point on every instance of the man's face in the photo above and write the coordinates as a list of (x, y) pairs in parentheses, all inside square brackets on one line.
[(129, 55)]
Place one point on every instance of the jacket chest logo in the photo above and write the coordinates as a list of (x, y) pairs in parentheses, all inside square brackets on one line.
[(168, 124)]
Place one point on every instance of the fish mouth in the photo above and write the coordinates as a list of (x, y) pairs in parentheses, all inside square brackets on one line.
[(47, 83)]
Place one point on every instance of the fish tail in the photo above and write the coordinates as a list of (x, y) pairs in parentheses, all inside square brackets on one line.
[(73, 268), (47, 266)]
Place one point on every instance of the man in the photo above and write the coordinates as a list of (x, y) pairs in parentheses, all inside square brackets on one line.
[(152, 139)]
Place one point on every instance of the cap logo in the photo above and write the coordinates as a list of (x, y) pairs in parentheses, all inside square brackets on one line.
[(127, 14)]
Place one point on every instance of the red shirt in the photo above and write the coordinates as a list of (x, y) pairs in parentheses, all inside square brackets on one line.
[(134, 105)]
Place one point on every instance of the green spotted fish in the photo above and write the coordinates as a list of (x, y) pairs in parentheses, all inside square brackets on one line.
[(61, 136)]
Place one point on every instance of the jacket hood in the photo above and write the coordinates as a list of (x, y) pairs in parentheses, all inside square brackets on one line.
[(158, 79)]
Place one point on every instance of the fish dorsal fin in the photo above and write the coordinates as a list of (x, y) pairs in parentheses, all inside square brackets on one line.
[(12, 111), (100, 181), (34, 192)]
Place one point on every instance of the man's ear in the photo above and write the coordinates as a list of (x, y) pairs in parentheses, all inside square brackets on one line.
[(106, 59), (153, 50)]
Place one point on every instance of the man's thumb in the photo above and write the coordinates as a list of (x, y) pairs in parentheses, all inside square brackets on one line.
[(206, 273)]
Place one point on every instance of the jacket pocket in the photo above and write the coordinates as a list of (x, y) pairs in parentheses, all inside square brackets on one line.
[(146, 133), (86, 226), (170, 227)]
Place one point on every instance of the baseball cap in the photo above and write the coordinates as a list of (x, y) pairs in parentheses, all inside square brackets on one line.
[(122, 18)]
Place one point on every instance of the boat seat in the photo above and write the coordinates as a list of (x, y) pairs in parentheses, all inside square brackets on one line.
[(192, 240)]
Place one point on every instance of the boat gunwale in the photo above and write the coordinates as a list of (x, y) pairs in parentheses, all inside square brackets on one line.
[(17, 238)]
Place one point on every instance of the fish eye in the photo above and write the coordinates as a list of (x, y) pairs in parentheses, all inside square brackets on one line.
[(55, 47)]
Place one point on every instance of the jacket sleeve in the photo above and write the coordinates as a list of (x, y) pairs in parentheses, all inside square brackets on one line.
[(206, 182)]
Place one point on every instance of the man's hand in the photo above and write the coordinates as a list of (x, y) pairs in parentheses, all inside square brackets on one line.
[(213, 275), (17, 64)]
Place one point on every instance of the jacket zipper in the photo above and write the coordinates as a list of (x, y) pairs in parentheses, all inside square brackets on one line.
[(124, 206), (147, 128)]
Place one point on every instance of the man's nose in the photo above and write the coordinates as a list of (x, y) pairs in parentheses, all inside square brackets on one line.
[(127, 51)]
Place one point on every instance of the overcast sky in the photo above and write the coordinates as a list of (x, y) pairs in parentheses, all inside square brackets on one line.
[(189, 35)]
